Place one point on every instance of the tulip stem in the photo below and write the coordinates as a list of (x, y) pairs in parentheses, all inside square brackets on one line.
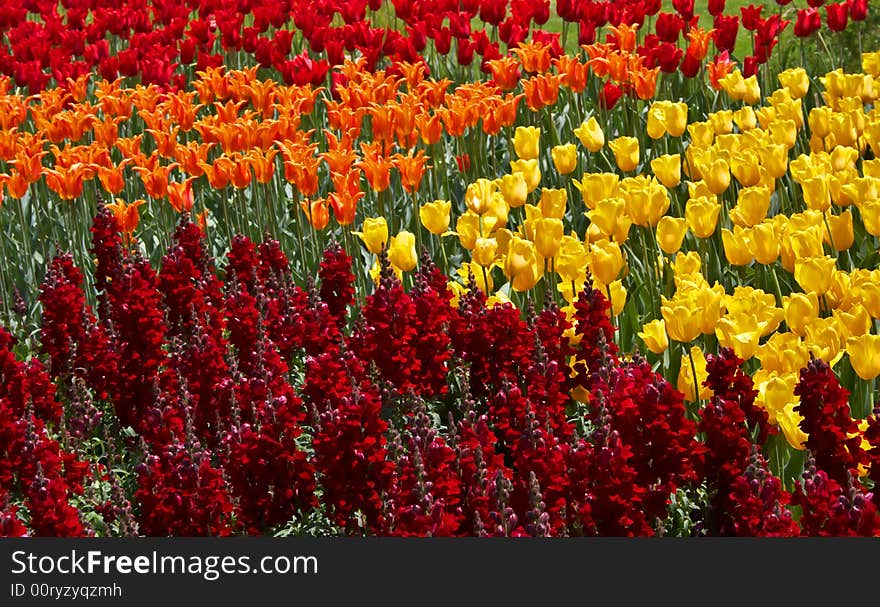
[(694, 379)]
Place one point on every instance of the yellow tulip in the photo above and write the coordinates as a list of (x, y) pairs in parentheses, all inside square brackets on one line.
[(709, 302), (590, 134), (745, 118), (796, 81), (514, 189), (435, 216), (870, 212), (682, 319), (814, 274), (774, 158), (626, 153), (676, 115), (843, 157), (800, 310), (606, 261), (656, 123), (485, 251), (751, 206), (721, 122), (841, 235), (824, 340), (597, 186), (753, 90), (572, 260), (523, 265), (702, 134), (702, 216), (790, 423), (654, 336), (687, 264), (646, 200), (548, 236), (864, 355), (610, 218), (525, 142), (775, 392), (746, 168), (819, 121), (736, 247), (816, 193), (868, 293), (855, 321), (716, 175), (784, 132), (783, 353), (553, 202), (667, 169), (739, 332), (694, 390), (734, 85), (482, 279), (529, 170), (763, 243), (670, 233), (402, 251), (478, 194), (564, 158), (617, 293), (375, 234), (468, 229)]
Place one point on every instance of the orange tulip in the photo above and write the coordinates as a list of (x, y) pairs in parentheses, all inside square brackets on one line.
[(16, 184), (316, 211), (412, 168), (155, 179), (113, 177), (645, 82), (345, 199), (505, 72), (263, 164), (541, 91), (376, 166), (535, 56), (127, 216), (698, 42), (624, 36), (66, 182), (180, 195)]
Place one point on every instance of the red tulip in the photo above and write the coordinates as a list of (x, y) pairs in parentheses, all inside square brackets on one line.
[(808, 22), (837, 16)]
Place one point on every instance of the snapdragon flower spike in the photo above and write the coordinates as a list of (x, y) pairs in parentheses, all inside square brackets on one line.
[(833, 439), (36, 471), (758, 504)]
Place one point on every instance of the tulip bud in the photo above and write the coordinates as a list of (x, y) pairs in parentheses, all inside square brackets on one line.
[(485, 250)]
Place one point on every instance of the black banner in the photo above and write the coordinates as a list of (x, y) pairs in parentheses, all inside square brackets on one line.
[(430, 571)]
